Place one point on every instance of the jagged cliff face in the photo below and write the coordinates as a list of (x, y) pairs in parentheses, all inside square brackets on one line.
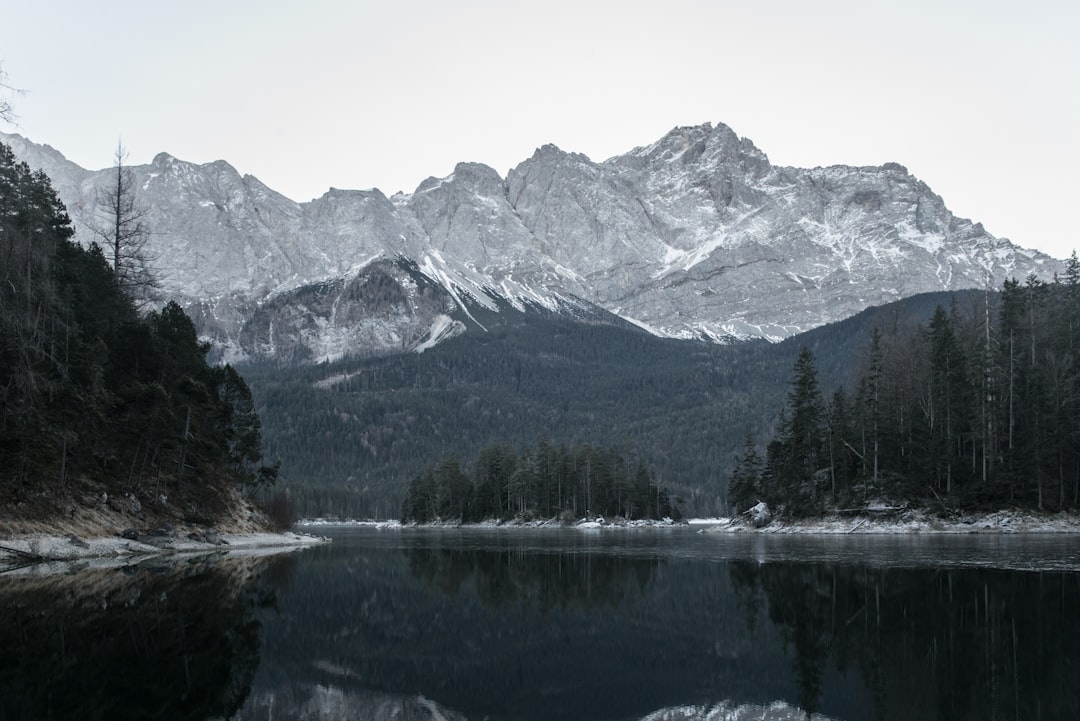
[(696, 235)]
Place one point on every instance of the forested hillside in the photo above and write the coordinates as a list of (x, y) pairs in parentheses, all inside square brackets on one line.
[(977, 407), (99, 403), (353, 434)]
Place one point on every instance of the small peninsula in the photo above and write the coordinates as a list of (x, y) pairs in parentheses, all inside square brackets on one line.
[(112, 422)]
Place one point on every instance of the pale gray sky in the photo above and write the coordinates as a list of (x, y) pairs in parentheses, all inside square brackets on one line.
[(980, 99)]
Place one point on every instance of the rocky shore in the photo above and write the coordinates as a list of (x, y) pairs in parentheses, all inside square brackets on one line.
[(50, 548), (118, 536), (888, 520)]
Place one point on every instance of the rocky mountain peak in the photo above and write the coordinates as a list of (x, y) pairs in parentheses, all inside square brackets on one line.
[(162, 161), (698, 147), (696, 235)]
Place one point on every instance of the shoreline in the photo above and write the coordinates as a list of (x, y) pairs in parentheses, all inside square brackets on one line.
[(45, 548), (910, 522), (1006, 522), (123, 531), (55, 548), (43, 552)]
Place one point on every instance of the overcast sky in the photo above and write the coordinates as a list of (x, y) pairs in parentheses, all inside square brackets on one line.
[(979, 99)]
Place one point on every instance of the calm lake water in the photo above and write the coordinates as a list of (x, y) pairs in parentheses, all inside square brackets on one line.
[(560, 624)]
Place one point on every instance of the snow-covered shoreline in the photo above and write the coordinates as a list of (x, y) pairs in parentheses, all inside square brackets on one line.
[(908, 522)]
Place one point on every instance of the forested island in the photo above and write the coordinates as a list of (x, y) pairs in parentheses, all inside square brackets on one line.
[(540, 482), (971, 411), (105, 406)]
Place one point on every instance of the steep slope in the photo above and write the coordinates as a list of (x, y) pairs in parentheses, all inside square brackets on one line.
[(695, 236), (698, 235)]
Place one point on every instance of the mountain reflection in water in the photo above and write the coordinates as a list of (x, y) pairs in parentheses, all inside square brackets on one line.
[(496, 624), (662, 625)]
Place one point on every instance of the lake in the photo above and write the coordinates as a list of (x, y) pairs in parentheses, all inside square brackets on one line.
[(659, 624)]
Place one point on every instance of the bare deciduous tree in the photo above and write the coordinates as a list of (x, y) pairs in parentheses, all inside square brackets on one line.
[(123, 228), (7, 111)]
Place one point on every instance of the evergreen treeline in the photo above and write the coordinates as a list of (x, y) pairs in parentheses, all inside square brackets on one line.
[(351, 434), (975, 408), (541, 482), (95, 395)]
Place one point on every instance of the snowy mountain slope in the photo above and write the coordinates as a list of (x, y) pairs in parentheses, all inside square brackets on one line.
[(386, 306), (696, 235)]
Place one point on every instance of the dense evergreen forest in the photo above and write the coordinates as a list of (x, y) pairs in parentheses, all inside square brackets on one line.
[(354, 433), (99, 400), (541, 482), (978, 407)]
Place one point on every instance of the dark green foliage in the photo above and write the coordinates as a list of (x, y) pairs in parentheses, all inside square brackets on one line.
[(940, 643), (744, 489), (542, 482), (147, 642), (974, 409), (802, 435), (352, 434), (281, 511), (90, 391)]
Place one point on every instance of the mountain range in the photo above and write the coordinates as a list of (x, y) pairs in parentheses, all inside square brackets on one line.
[(696, 236)]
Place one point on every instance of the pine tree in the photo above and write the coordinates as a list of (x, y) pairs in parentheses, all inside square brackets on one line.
[(837, 425), (802, 434), (743, 489), (1072, 401), (241, 428), (453, 490), (947, 397), (874, 380)]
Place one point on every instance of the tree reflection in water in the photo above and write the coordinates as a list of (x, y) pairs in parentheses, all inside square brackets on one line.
[(514, 626), (928, 643), (507, 575), (151, 641)]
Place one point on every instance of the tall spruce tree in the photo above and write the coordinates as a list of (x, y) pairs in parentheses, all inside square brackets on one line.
[(743, 489), (802, 435)]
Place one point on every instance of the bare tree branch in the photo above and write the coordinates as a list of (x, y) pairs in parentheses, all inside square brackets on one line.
[(7, 110), (123, 229)]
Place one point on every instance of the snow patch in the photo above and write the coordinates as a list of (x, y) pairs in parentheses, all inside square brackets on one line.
[(729, 711), (442, 328)]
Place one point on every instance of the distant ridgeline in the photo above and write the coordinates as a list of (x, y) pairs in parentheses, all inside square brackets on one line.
[(96, 399), (980, 407)]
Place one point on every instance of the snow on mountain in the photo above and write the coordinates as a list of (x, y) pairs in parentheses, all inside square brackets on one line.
[(697, 235)]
